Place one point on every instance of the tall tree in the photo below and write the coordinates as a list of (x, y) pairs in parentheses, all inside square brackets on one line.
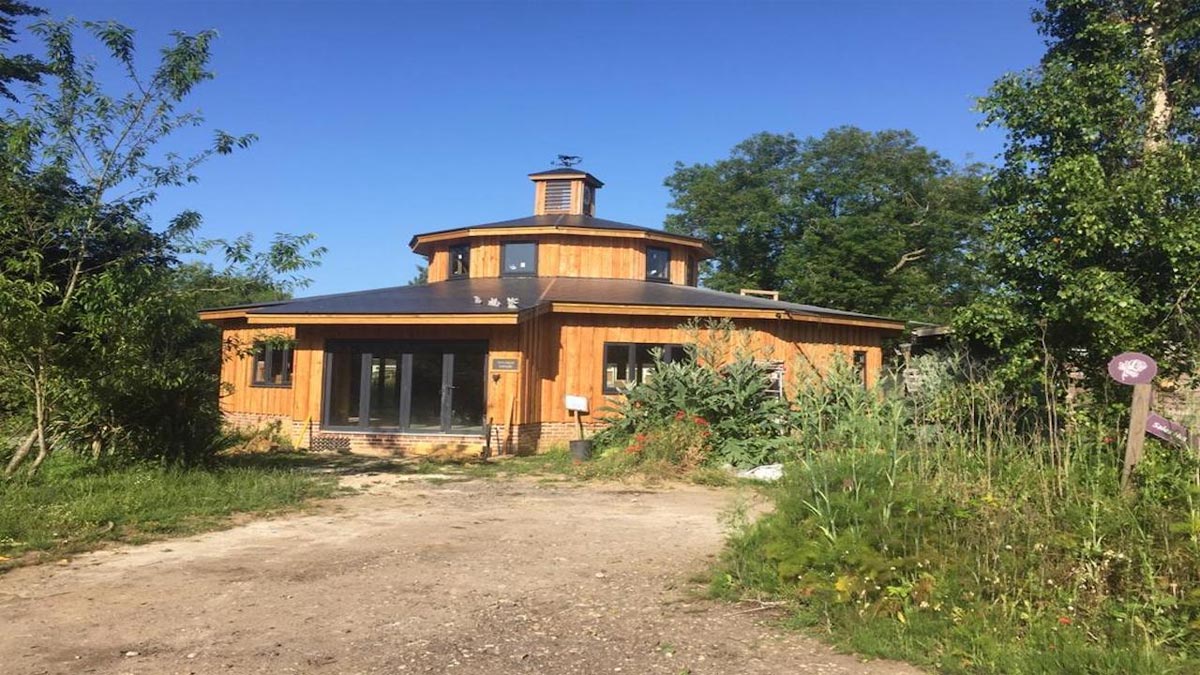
[(864, 221), (22, 67), (1095, 234), (100, 337)]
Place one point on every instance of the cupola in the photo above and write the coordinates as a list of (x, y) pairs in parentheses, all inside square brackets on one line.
[(564, 190)]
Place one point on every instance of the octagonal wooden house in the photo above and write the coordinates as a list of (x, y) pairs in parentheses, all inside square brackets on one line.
[(516, 316)]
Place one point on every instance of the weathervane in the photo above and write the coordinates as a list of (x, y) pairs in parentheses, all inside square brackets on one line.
[(567, 161)]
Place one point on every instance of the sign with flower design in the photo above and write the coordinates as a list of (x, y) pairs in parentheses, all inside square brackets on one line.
[(1132, 368)]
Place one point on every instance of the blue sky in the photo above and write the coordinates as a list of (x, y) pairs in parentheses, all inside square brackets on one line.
[(379, 120)]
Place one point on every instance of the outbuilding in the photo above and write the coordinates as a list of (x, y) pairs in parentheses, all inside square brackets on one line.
[(516, 316)]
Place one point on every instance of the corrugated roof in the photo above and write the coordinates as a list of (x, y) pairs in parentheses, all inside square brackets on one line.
[(458, 296)]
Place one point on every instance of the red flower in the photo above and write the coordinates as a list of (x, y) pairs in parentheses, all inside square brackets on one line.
[(640, 438), (700, 420), (1064, 620), (680, 415)]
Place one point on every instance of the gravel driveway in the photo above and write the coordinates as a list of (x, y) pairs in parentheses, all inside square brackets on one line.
[(414, 576)]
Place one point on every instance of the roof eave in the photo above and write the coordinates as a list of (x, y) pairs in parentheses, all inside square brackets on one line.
[(420, 242)]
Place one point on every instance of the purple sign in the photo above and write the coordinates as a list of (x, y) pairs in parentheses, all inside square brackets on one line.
[(1166, 429), (1132, 368)]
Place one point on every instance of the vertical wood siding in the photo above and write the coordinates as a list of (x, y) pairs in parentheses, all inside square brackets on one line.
[(237, 393), (558, 354), (566, 256), (572, 351)]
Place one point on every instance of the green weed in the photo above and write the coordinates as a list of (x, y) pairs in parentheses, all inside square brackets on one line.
[(74, 504), (950, 530)]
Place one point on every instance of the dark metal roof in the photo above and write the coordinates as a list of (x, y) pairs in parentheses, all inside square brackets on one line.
[(563, 220), (568, 171), (458, 296)]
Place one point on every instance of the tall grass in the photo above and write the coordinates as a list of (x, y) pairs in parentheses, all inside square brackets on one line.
[(967, 530)]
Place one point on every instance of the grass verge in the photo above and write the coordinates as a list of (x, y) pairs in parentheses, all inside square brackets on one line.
[(937, 560), (74, 505)]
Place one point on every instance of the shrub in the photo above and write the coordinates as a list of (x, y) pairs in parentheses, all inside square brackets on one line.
[(744, 424)]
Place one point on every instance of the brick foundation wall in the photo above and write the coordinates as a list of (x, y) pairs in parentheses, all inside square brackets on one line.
[(525, 439), (541, 437), (297, 432), (440, 446)]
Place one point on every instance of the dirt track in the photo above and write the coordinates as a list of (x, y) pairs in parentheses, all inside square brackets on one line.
[(413, 577)]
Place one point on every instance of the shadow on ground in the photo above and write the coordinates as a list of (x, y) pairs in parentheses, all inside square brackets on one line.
[(350, 465)]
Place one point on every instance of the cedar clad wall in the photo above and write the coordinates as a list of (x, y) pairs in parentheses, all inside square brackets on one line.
[(558, 354), (567, 256), (237, 394), (302, 401), (568, 351)]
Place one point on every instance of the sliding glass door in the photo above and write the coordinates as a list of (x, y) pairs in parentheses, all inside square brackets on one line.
[(416, 387)]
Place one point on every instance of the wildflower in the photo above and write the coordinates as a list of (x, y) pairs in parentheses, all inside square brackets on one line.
[(640, 438), (1064, 620), (700, 420), (680, 415)]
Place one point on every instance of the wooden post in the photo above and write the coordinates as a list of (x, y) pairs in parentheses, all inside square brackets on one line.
[(579, 424), (1138, 412)]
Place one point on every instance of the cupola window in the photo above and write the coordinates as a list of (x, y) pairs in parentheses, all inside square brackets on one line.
[(519, 259), (558, 196)]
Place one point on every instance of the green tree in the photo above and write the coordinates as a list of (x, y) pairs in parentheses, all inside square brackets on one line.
[(856, 220), (101, 343), (22, 67), (1095, 235)]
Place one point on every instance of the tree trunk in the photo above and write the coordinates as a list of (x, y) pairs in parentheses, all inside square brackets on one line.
[(43, 451), (39, 410), (20, 454), (1158, 124)]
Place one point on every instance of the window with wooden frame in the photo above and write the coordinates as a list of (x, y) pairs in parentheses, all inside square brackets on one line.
[(629, 363), (860, 365), (460, 261), (775, 372), (658, 263), (518, 259), (272, 365)]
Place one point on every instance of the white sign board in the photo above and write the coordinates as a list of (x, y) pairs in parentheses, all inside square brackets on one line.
[(577, 404)]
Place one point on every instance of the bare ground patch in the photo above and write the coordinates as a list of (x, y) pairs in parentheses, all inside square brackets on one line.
[(412, 576)]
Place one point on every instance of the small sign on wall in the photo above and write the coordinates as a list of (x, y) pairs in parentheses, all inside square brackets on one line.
[(505, 365)]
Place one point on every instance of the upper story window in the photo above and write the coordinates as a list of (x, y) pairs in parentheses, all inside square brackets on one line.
[(272, 365), (460, 261), (658, 264), (691, 271), (518, 258)]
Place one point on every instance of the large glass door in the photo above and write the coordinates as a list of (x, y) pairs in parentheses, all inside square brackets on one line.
[(432, 387), (425, 410)]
